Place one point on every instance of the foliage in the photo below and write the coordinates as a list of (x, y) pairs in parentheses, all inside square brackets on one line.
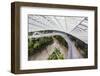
[(61, 40), (37, 44), (30, 33), (56, 55), (82, 46)]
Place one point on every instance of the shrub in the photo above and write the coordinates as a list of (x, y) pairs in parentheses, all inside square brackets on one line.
[(56, 55), (61, 40), (37, 44), (80, 44)]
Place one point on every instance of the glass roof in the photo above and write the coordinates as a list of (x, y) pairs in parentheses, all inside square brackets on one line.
[(74, 25)]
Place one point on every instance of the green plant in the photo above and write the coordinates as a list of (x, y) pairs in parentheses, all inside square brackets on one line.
[(56, 55), (37, 44), (80, 45), (83, 47), (61, 40)]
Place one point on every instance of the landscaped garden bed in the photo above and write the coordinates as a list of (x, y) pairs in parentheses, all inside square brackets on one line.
[(37, 44)]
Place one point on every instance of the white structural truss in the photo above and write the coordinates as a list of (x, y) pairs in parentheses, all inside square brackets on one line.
[(75, 25)]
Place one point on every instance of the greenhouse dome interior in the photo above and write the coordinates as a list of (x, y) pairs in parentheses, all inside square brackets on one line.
[(66, 36)]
